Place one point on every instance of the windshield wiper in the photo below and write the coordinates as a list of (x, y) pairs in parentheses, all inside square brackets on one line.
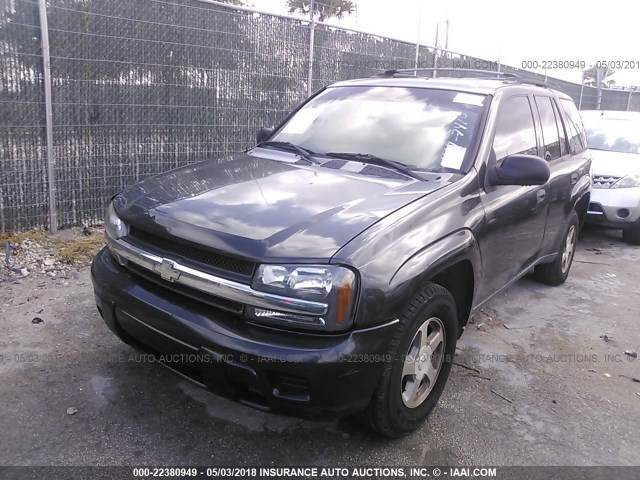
[(303, 152), (383, 162)]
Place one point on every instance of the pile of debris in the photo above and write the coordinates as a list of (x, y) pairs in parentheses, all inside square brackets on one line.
[(37, 253)]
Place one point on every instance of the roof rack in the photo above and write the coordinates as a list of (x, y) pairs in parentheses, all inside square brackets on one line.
[(475, 72), (538, 83), (470, 72)]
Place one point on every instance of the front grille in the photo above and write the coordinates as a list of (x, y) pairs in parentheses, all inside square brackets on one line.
[(198, 255), (604, 181)]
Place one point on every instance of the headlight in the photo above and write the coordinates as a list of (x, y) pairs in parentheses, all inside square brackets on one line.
[(115, 227), (632, 180), (330, 284)]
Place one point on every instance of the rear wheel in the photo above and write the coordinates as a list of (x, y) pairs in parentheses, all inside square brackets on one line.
[(557, 272), (421, 352), (631, 236)]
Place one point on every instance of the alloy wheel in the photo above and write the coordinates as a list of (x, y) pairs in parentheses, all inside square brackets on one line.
[(422, 362), (569, 248)]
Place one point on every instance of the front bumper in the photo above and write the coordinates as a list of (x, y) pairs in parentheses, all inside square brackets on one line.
[(310, 376), (615, 207)]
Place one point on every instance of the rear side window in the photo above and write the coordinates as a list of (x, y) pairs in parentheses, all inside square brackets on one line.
[(516, 132), (551, 149), (577, 137), (564, 149)]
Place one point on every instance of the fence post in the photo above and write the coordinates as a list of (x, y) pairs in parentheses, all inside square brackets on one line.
[(581, 92), (629, 99), (312, 32), (51, 161)]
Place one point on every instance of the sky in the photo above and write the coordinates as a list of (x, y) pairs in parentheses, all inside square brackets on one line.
[(511, 32)]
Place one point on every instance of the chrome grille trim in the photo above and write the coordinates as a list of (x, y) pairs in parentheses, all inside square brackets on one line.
[(604, 181), (173, 271)]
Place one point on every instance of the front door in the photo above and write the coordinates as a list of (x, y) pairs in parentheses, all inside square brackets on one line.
[(515, 216)]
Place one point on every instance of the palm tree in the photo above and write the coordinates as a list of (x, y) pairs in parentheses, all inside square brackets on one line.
[(590, 76)]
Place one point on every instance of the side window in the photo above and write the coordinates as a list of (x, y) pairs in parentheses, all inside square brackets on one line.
[(561, 132), (577, 137), (515, 132), (551, 150)]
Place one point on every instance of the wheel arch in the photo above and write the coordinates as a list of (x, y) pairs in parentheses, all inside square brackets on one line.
[(454, 263), (582, 206)]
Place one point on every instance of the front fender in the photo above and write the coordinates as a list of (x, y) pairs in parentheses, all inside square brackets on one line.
[(437, 257), (404, 249), (385, 296)]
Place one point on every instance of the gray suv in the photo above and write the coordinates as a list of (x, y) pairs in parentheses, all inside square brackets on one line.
[(331, 269)]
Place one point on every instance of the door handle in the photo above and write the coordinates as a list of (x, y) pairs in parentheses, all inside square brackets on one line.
[(541, 195), (574, 178)]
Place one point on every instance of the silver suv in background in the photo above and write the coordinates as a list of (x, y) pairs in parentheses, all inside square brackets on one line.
[(614, 140)]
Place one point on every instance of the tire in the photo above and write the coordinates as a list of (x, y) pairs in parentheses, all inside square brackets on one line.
[(631, 236), (557, 272), (389, 413)]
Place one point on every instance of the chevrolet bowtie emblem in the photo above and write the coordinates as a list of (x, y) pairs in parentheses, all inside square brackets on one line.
[(168, 270)]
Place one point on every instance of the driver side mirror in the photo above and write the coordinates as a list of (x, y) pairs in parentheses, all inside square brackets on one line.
[(520, 169), (263, 134)]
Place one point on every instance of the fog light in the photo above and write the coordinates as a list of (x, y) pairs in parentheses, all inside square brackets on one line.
[(288, 318), (623, 213)]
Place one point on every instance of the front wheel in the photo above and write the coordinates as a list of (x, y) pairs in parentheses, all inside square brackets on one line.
[(631, 236), (557, 272), (421, 352)]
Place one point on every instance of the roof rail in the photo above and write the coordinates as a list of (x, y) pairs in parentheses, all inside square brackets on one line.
[(538, 83), (470, 71)]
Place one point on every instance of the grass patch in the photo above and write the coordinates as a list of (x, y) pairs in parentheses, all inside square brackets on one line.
[(80, 250), (37, 235)]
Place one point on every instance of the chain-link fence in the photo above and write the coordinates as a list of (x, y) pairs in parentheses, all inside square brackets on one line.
[(142, 87), (23, 159)]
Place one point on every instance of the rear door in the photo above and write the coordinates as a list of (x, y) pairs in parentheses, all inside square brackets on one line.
[(555, 150), (569, 171), (515, 216)]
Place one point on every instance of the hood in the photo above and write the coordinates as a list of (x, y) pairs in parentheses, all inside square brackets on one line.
[(616, 164), (259, 207)]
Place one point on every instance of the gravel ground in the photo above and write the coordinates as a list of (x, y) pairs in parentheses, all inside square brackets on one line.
[(545, 386)]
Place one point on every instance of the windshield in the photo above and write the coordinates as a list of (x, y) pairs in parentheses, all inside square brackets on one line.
[(417, 127), (613, 135)]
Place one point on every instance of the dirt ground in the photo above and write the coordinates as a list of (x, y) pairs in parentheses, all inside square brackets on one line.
[(544, 387)]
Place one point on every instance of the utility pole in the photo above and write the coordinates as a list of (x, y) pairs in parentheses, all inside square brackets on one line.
[(435, 54), (599, 81), (446, 38), (415, 63)]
